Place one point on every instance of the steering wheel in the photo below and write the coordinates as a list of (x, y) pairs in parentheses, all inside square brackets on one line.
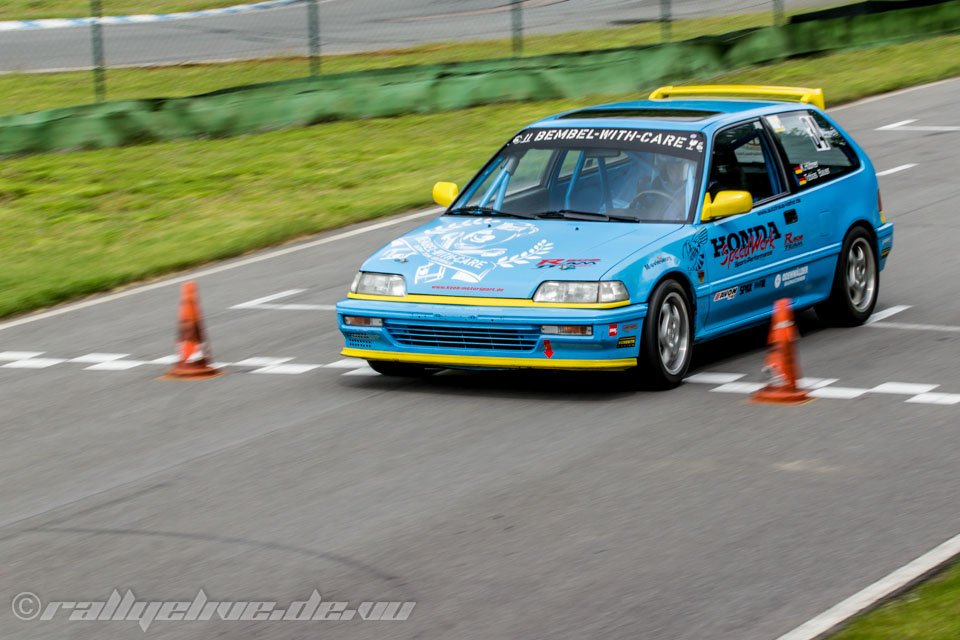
[(660, 194)]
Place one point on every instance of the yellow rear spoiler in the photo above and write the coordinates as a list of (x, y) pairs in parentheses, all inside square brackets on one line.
[(800, 94)]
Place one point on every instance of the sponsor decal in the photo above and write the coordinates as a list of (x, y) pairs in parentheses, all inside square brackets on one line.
[(778, 206), (726, 294), (565, 264), (659, 261), (750, 286), (680, 140), (471, 289), (792, 241), (471, 249), (805, 174), (626, 342), (693, 251), (629, 327), (791, 277), (739, 248), (612, 330)]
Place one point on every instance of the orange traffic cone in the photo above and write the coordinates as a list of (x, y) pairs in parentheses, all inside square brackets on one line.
[(191, 340), (781, 360)]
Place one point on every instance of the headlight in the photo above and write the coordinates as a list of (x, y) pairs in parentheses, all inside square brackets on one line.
[(379, 284), (581, 292)]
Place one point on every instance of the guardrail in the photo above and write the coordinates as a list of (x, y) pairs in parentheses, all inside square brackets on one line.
[(447, 87)]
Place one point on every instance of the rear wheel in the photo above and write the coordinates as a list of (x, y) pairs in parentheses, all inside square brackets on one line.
[(399, 369), (666, 346), (856, 283)]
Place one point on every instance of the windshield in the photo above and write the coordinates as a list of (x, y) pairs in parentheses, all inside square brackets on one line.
[(634, 175)]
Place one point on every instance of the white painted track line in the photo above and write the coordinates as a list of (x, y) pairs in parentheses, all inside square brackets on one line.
[(838, 393), (908, 326), (266, 299), (902, 167), (713, 377), (886, 313), (881, 590), (903, 388)]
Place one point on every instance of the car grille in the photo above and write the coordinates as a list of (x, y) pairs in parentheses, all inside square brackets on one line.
[(445, 336)]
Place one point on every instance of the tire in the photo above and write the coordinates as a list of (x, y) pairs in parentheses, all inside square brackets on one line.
[(856, 283), (399, 369), (666, 345)]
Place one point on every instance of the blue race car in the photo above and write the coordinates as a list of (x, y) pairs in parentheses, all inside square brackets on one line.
[(616, 237)]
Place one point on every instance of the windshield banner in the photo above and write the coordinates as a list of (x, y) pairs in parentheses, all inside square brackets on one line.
[(685, 143)]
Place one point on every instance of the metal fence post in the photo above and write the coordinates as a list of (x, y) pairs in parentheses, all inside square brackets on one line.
[(313, 28), (665, 21), (99, 67), (778, 12), (516, 19)]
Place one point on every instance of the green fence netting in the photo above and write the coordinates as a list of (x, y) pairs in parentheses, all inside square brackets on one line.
[(433, 88)]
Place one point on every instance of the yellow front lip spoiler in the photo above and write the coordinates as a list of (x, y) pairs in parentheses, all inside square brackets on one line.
[(619, 364)]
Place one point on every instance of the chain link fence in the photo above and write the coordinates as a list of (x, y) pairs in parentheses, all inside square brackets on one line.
[(279, 39)]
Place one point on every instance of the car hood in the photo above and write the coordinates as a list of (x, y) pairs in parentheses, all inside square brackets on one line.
[(509, 257)]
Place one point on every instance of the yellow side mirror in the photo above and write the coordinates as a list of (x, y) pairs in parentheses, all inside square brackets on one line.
[(444, 193), (726, 204)]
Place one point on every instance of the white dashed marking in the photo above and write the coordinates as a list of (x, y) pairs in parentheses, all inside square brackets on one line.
[(886, 313), (838, 393), (347, 363), (33, 363), (10, 356), (714, 377), (288, 369), (903, 388), (99, 358), (815, 383), (261, 362), (936, 398), (739, 387), (902, 167), (267, 302), (116, 365)]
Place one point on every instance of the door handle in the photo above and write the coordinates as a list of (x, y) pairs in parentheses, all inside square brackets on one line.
[(790, 216)]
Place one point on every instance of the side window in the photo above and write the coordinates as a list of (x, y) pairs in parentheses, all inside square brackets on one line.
[(815, 151), (743, 161)]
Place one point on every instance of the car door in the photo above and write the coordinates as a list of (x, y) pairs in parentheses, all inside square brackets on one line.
[(743, 251), (815, 156)]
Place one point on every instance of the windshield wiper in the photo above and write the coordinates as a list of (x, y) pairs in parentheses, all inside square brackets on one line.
[(486, 211), (572, 214)]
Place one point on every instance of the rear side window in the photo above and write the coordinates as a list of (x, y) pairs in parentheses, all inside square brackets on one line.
[(815, 151)]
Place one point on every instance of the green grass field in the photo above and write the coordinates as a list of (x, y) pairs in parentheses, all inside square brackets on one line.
[(929, 612), (78, 223)]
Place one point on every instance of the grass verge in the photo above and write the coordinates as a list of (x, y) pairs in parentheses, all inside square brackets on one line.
[(929, 612), (77, 223), (21, 92)]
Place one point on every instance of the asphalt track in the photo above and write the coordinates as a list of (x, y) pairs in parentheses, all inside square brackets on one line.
[(506, 506), (346, 26)]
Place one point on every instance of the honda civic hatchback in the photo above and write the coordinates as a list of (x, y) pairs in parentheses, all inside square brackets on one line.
[(617, 237)]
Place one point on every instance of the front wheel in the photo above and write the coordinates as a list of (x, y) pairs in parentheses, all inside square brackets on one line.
[(856, 284), (399, 369), (666, 346)]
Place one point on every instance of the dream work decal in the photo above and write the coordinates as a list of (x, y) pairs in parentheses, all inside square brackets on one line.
[(739, 248)]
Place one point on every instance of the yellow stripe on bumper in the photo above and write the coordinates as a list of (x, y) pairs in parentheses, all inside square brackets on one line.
[(484, 361), (487, 302)]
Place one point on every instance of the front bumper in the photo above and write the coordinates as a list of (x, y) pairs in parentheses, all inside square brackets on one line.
[(490, 337)]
